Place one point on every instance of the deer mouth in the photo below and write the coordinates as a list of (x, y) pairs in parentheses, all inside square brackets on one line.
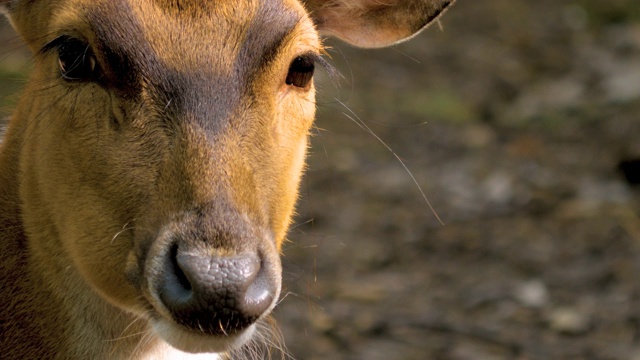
[(190, 341)]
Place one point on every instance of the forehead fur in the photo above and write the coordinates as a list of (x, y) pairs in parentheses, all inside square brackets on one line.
[(180, 45), (184, 33)]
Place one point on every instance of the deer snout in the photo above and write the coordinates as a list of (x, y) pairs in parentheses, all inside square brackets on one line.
[(218, 295), (211, 273)]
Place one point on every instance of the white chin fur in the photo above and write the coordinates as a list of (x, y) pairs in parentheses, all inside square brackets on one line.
[(191, 342), (166, 352)]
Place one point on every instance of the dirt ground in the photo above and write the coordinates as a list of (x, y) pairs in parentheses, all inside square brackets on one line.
[(520, 121)]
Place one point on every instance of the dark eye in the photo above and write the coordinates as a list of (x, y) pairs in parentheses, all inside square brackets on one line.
[(76, 60), (300, 72)]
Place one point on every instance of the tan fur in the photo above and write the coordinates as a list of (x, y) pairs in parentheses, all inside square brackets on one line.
[(193, 132)]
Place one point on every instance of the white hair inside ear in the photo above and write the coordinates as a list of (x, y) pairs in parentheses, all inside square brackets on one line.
[(4, 10)]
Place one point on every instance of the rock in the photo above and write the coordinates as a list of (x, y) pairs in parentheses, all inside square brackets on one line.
[(569, 320), (498, 188), (321, 320), (532, 293), (362, 292)]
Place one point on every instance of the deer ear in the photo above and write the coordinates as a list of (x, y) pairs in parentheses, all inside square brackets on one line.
[(374, 23), (6, 6), (29, 18)]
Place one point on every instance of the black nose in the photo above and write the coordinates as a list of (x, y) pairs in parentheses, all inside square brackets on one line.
[(216, 294)]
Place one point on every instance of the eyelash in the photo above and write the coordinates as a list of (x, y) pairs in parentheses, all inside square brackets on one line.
[(76, 60), (303, 67), (301, 71)]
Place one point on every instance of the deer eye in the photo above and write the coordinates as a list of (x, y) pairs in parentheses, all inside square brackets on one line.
[(76, 60), (300, 72)]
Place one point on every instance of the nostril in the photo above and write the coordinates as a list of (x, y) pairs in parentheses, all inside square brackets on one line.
[(181, 277), (177, 289)]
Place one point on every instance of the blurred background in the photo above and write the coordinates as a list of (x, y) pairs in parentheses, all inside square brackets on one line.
[(520, 121)]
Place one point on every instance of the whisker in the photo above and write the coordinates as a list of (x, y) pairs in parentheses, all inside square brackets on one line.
[(356, 120), (124, 228), (122, 336)]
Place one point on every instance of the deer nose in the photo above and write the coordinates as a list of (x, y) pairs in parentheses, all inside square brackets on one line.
[(216, 294)]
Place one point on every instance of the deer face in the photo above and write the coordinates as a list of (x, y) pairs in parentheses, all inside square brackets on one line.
[(172, 154), (164, 141)]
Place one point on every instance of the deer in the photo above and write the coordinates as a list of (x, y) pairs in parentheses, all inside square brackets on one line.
[(150, 169)]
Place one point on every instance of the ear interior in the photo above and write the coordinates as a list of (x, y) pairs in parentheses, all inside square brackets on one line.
[(374, 23), (4, 8)]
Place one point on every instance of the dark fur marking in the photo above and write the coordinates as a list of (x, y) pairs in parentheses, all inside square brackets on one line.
[(121, 45), (187, 95)]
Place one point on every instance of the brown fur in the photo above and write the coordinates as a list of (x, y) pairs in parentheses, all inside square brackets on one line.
[(190, 130)]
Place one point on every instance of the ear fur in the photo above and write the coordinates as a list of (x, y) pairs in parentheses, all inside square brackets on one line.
[(30, 18), (374, 23), (4, 7)]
